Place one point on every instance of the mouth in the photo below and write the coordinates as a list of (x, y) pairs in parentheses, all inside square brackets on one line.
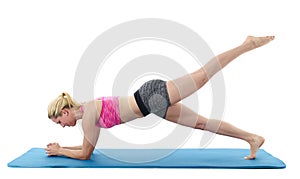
[(72, 125)]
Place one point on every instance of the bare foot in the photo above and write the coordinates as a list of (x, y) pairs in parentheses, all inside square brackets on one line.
[(252, 42), (255, 143)]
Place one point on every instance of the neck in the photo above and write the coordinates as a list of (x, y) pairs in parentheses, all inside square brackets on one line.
[(78, 113)]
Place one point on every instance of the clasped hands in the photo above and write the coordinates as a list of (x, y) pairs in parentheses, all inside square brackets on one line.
[(52, 149)]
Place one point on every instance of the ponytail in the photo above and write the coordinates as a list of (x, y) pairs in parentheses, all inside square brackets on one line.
[(61, 102)]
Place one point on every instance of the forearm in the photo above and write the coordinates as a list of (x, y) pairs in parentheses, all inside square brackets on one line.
[(73, 147), (74, 153)]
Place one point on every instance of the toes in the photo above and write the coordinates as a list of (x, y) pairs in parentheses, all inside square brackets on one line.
[(270, 37), (249, 158)]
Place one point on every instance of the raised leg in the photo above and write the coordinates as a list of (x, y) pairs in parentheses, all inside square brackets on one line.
[(184, 86), (183, 115)]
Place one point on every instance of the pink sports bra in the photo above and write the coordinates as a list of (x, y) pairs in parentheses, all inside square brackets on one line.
[(110, 112)]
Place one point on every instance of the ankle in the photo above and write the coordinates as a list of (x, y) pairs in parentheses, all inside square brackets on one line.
[(250, 138), (245, 47)]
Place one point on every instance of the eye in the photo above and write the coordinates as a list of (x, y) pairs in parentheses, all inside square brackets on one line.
[(58, 122)]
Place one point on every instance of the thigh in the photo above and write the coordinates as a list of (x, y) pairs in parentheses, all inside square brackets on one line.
[(181, 114), (182, 87)]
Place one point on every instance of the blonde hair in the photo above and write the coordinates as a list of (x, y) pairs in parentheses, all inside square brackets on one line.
[(61, 102)]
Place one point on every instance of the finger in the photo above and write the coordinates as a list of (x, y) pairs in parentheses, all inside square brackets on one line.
[(49, 153)]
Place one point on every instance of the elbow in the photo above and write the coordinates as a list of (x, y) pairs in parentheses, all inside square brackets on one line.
[(84, 156)]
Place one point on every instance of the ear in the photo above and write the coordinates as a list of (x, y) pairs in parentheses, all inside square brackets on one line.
[(65, 111)]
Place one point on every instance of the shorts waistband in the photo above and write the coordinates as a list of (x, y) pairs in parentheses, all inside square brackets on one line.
[(140, 103)]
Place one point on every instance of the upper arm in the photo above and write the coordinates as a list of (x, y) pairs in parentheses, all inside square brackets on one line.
[(90, 130), (89, 142), (87, 148)]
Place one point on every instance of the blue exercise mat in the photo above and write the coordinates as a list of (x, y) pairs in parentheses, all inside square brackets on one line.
[(161, 158)]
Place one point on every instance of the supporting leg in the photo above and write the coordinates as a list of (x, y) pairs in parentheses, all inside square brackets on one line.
[(181, 114)]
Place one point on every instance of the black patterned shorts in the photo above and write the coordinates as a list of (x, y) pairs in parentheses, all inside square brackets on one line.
[(153, 97)]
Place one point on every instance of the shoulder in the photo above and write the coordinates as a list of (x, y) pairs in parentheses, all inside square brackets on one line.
[(91, 108), (92, 105)]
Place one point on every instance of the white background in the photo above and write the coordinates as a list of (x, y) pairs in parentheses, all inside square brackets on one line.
[(41, 44)]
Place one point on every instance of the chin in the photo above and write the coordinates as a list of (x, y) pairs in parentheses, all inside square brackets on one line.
[(74, 124)]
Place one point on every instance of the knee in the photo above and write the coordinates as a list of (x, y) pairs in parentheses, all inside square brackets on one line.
[(200, 78), (204, 77), (200, 124)]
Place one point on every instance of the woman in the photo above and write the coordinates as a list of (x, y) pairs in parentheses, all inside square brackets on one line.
[(156, 96)]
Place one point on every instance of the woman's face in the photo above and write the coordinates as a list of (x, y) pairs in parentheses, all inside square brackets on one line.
[(66, 118)]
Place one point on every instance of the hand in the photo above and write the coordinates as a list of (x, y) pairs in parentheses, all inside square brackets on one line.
[(52, 149)]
